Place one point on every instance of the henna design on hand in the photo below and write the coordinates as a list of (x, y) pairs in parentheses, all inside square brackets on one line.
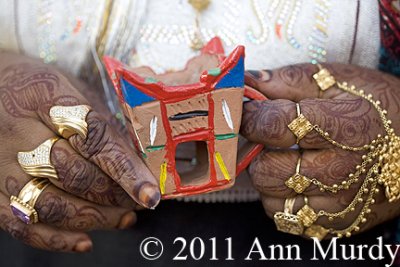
[(348, 120)]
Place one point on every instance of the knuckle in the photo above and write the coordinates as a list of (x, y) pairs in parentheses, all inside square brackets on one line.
[(77, 176), (269, 173), (52, 209), (264, 180), (97, 137)]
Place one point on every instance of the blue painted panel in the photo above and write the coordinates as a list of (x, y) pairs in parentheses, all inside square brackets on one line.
[(234, 78), (133, 96)]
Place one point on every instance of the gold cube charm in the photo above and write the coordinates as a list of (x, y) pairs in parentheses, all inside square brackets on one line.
[(288, 223), (307, 215), (300, 126), (316, 231), (298, 183), (324, 79)]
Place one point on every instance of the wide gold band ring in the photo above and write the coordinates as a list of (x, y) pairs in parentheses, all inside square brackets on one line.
[(23, 206), (70, 120), (286, 221), (37, 162)]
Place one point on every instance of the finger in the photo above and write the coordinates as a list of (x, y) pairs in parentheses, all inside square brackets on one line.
[(352, 122), (40, 235), (75, 174), (292, 82), (106, 149), (82, 178), (273, 205), (333, 204), (295, 82), (270, 170), (62, 210), (57, 208)]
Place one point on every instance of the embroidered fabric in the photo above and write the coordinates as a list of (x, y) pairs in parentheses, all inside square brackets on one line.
[(158, 34)]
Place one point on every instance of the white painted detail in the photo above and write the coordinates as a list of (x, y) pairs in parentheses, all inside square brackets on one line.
[(227, 114), (153, 130)]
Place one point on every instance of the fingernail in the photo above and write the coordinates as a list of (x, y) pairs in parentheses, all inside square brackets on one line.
[(83, 246), (262, 75), (255, 74), (149, 196), (127, 220)]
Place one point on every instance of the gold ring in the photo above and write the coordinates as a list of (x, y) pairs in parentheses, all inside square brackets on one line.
[(307, 214), (298, 182), (23, 206), (37, 162), (288, 222), (324, 78), (70, 120), (300, 126)]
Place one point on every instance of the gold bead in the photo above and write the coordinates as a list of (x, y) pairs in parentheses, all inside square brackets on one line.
[(348, 234), (339, 235), (356, 229), (368, 211), (389, 122), (322, 189), (344, 183), (361, 92), (376, 190), (378, 102), (326, 134), (352, 209), (330, 218), (364, 157), (379, 136), (366, 190), (358, 167), (335, 186), (360, 199), (363, 220), (372, 201)]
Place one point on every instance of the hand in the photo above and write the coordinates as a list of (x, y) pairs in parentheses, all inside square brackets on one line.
[(94, 174), (348, 119)]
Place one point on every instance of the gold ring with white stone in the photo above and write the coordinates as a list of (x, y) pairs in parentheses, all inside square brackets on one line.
[(23, 206), (70, 120), (37, 162)]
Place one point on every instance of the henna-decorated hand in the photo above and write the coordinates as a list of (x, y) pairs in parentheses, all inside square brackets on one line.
[(348, 119), (100, 177)]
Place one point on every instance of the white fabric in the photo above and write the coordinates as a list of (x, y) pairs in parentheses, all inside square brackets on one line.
[(31, 27)]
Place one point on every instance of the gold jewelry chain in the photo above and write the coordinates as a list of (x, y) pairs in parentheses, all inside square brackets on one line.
[(385, 151)]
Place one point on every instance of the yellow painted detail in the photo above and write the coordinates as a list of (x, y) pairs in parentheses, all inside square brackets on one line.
[(222, 166), (163, 177)]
